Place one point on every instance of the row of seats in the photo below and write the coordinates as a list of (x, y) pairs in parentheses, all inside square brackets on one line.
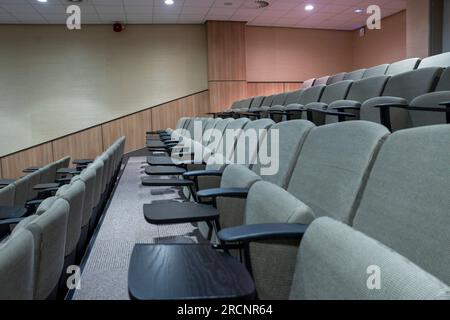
[(392, 99), (22, 190), (366, 198), (35, 257)]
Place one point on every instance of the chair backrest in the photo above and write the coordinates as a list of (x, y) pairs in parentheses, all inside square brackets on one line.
[(293, 97), (49, 233), (48, 173), (352, 257), (267, 102), (279, 99), (246, 103), (323, 81), (21, 187), (376, 71), (405, 204), (441, 60), (327, 180), (88, 177), (365, 89), (308, 83), (432, 99), (336, 78), (73, 193), (7, 195), (355, 75), (404, 86), (311, 95), (34, 179), (63, 163), (16, 267), (336, 91), (402, 66), (97, 166), (257, 102)]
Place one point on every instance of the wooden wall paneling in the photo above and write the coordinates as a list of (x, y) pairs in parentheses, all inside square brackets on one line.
[(167, 115), (86, 144), (226, 50), (1, 174), (133, 127), (224, 93), (292, 86), (13, 165), (264, 88)]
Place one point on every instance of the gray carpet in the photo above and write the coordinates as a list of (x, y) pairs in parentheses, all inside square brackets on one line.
[(105, 273)]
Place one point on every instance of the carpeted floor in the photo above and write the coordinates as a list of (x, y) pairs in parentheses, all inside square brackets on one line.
[(105, 273)]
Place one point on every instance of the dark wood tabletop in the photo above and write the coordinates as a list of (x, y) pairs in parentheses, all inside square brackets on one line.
[(184, 271)]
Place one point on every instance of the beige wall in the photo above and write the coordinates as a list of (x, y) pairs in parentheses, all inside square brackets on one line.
[(418, 28), (290, 55), (54, 82), (381, 46)]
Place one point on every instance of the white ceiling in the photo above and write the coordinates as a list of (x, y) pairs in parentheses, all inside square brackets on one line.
[(328, 14)]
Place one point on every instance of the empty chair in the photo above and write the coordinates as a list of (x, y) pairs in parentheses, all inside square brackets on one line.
[(16, 266), (295, 111), (49, 233), (256, 103), (308, 83), (441, 60), (323, 81), (7, 195), (386, 224), (266, 104), (278, 100), (355, 75), (400, 89), (336, 78), (276, 112), (332, 92), (402, 66), (376, 71)]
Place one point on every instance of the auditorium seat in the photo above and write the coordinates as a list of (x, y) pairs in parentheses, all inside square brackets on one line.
[(400, 89), (402, 66), (322, 81), (49, 233), (336, 78), (441, 60), (308, 83), (295, 111), (376, 71), (16, 266), (355, 75)]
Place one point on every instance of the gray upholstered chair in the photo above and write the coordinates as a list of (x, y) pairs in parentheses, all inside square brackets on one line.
[(308, 83), (16, 267), (336, 78), (402, 66), (355, 75), (441, 60), (400, 90), (401, 227), (376, 71)]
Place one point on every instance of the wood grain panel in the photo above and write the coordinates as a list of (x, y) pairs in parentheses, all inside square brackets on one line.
[(86, 144), (292, 86), (133, 127), (1, 174), (264, 88), (13, 165), (167, 115), (226, 50), (224, 93)]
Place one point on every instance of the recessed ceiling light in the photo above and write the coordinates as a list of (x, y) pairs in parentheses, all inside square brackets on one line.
[(309, 7), (42, 0), (359, 10), (169, 2)]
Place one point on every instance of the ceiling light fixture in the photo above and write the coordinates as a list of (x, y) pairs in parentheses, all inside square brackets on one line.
[(42, 1), (169, 2), (309, 7), (359, 10)]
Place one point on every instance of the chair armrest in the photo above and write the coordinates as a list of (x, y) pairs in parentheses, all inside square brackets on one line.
[(30, 169), (45, 186), (203, 173), (258, 232), (63, 181), (72, 171), (385, 115), (343, 108), (240, 193), (445, 103), (167, 182), (82, 162)]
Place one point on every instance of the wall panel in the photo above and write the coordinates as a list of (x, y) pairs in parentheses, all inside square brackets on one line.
[(167, 115), (86, 144), (292, 86), (13, 165), (133, 127), (224, 93), (264, 88), (226, 50)]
